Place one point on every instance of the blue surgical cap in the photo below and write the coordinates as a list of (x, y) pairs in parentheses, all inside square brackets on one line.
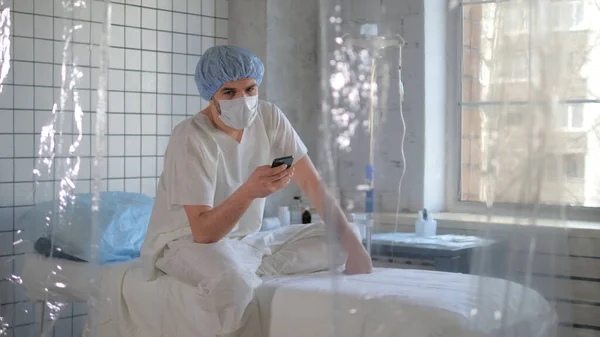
[(221, 64)]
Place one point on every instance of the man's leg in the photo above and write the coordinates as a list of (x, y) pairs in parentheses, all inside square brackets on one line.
[(224, 272), (302, 249)]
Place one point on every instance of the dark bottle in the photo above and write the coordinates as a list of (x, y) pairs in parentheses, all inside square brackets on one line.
[(306, 216)]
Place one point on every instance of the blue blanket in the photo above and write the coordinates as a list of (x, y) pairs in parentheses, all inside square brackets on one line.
[(122, 223)]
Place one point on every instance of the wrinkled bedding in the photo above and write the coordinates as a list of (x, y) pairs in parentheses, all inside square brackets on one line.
[(389, 302)]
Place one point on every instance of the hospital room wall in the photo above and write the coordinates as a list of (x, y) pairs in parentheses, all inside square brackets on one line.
[(155, 47), (290, 42), (284, 34)]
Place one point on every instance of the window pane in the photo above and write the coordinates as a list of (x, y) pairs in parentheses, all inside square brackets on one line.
[(574, 165), (563, 118), (500, 62), (578, 13), (515, 145), (576, 116), (516, 20), (514, 118), (527, 160)]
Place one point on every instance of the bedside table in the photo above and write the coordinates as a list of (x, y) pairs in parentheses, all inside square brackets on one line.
[(449, 253)]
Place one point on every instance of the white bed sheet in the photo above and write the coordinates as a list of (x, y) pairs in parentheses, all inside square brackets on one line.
[(64, 280), (402, 302), (128, 306), (389, 302)]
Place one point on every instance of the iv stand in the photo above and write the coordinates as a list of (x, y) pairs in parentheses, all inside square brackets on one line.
[(373, 43), (370, 169)]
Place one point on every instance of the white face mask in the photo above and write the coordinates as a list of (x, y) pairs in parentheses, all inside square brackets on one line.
[(239, 113)]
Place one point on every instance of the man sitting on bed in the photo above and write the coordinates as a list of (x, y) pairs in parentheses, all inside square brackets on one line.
[(210, 200)]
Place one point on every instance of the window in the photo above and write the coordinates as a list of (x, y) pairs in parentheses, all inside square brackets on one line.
[(570, 117), (516, 20), (576, 116), (575, 61), (567, 15), (515, 68), (574, 165), (503, 131), (514, 116)]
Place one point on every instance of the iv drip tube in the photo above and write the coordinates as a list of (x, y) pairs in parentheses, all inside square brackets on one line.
[(401, 147)]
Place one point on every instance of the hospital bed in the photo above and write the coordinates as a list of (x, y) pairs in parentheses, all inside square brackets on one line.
[(388, 302)]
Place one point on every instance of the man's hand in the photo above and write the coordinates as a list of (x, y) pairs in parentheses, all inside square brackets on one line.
[(358, 262), (266, 180)]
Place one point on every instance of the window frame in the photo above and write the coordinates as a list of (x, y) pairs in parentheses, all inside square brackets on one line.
[(454, 105)]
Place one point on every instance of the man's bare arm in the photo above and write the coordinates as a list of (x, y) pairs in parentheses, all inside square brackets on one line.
[(210, 225), (307, 178), (309, 182)]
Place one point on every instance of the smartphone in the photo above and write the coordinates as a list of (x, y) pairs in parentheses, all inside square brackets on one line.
[(289, 160)]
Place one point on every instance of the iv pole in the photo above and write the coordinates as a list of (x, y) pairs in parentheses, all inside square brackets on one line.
[(371, 41)]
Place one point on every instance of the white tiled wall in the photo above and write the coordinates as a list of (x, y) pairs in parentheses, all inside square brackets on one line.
[(155, 47)]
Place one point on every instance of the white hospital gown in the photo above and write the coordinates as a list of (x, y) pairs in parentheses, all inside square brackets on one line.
[(204, 166)]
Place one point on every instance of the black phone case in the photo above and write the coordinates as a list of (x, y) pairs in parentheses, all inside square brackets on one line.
[(283, 161)]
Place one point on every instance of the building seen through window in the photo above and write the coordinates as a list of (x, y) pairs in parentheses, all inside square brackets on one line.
[(530, 114)]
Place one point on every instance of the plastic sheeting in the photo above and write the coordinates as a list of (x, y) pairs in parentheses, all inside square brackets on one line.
[(517, 127), (493, 129), (59, 164)]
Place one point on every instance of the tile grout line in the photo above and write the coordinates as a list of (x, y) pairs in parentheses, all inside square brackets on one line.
[(141, 100), (123, 91), (125, 98), (91, 108), (34, 107), (156, 98), (75, 43), (14, 313), (158, 9)]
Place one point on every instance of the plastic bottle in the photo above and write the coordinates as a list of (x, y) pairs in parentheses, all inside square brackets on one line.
[(425, 225), (420, 225), (296, 211), (430, 225), (360, 220), (284, 216)]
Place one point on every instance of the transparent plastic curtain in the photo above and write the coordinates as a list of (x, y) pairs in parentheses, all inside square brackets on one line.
[(361, 62), (521, 146), (43, 289), (5, 41)]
